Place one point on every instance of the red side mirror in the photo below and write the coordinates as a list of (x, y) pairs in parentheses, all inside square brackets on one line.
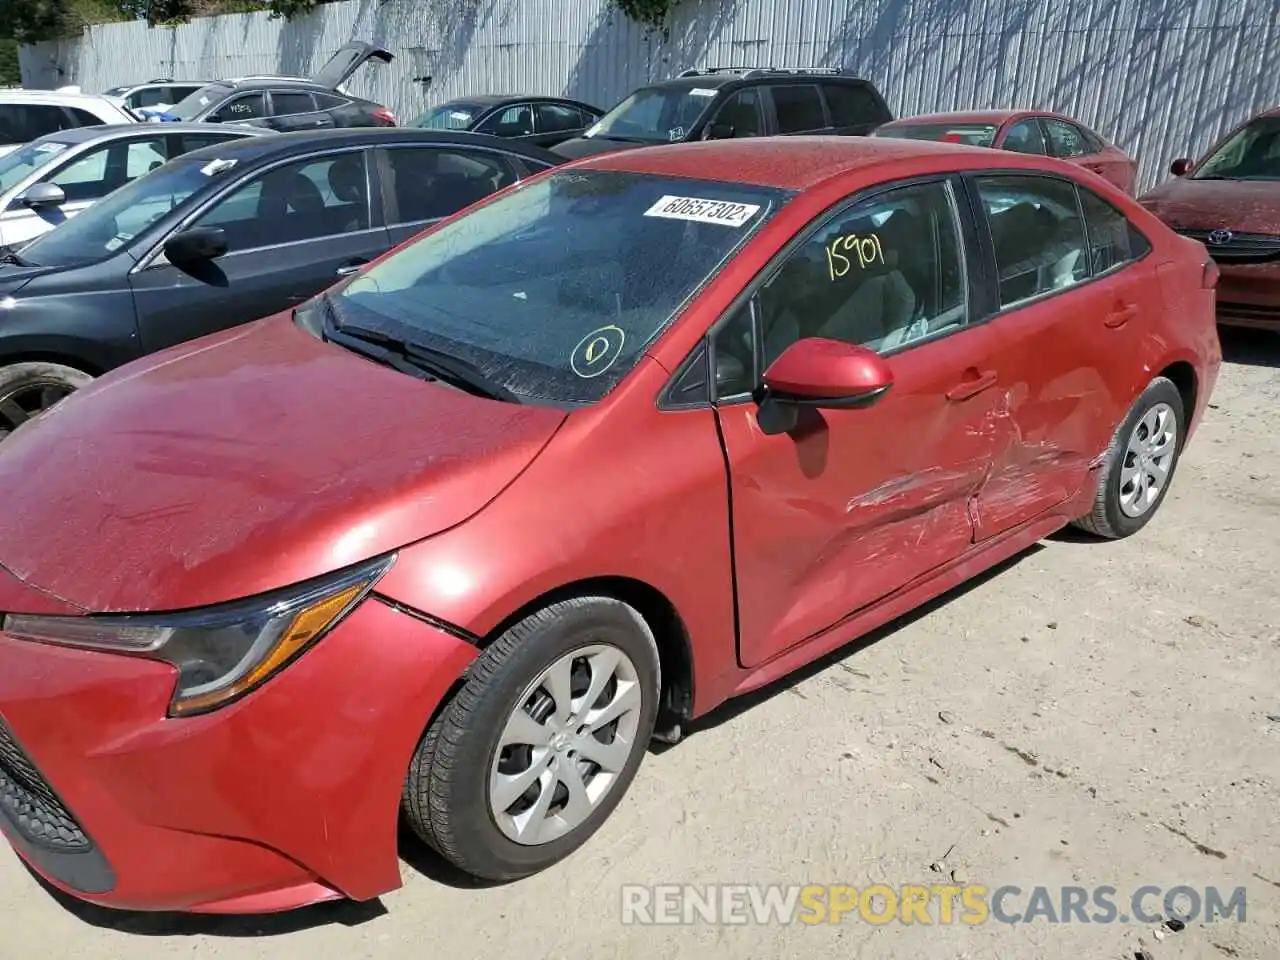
[(816, 372), (1180, 167)]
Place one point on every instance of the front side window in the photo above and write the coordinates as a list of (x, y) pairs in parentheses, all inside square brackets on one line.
[(1026, 136), (1251, 153), (428, 183), (799, 108), (1038, 235), (1065, 139), (1113, 240), (884, 273), (195, 104), (556, 289), (306, 200), (655, 115), (741, 114), (451, 116), (973, 134), (120, 217), (516, 121), (98, 172), (251, 106)]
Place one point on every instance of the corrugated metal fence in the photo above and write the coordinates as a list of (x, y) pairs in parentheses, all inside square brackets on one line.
[(1163, 78)]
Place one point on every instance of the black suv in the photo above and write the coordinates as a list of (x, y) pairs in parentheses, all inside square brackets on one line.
[(719, 103)]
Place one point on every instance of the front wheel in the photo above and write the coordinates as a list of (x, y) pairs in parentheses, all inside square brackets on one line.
[(536, 749), (1139, 464), (29, 389)]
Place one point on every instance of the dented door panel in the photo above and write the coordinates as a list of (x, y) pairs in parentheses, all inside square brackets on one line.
[(855, 503)]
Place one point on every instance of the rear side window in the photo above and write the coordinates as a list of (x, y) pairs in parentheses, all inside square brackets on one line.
[(284, 104), (799, 108), (83, 118), (853, 105), (1025, 136), (556, 117), (428, 183), (327, 101), (21, 122), (1038, 235), (1113, 240)]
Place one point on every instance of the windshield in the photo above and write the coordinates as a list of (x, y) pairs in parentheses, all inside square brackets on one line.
[(973, 134), (109, 224), (1253, 153), (451, 116), (554, 290), (19, 164), (190, 107), (117, 91), (655, 115)]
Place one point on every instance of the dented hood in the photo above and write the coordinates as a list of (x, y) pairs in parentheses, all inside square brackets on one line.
[(1245, 206), (245, 462)]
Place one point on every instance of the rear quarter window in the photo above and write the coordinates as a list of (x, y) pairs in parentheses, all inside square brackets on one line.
[(799, 108), (1113, 239), (853, 105)]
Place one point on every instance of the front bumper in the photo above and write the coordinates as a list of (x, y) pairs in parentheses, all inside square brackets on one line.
[(285, 798), (1249, 294)]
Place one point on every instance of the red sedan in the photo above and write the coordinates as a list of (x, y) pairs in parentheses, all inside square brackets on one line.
[(1023, 131), (459, 537)]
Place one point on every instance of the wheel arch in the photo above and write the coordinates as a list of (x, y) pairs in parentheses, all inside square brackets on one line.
[(1183, 376), (67, 358), (659, 613)]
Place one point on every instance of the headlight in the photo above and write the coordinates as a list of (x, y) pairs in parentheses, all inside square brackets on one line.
[(221, 652)]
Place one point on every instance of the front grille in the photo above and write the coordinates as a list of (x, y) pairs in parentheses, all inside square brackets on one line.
[(29, 803), (1238, 247)]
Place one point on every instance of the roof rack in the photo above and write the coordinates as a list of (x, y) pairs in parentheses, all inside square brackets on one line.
[(764, 71)]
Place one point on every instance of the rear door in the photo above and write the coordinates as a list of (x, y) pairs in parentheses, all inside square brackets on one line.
[(1070, 296), (291, 230), (346, 61), (292, 110), (424, 183)]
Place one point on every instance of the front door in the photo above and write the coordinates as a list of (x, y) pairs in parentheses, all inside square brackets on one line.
[(852, 505), (1066, 300), (292, 231)]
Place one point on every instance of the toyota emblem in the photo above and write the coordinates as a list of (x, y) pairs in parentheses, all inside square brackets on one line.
[(1219, 237)]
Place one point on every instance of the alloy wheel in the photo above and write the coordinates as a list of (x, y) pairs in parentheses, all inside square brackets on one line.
[(1148, 459), (20, 403)]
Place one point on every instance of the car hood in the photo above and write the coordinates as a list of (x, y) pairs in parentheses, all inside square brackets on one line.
[(13, 278), (580, 147), (243, 462), (1247, 206)]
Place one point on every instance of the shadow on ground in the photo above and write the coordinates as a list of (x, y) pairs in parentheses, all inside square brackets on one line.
[(1254, 348)]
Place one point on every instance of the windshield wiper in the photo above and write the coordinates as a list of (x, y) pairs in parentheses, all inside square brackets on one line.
[(9, 255), (410, 357)]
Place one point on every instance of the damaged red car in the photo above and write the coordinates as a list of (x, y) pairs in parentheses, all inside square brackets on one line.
[(1230, 201), (452, 542)]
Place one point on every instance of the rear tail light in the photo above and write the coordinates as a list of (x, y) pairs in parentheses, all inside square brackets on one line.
[(384, 116), (1209, 278)]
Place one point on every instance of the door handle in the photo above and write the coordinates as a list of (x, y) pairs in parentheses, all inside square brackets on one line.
[(1120, 316), (972, 385), (347, 269)]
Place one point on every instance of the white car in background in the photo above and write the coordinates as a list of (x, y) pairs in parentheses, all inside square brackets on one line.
[(28, 114), (154, 94)]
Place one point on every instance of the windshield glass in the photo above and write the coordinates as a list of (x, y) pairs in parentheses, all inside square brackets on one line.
[(17, 165), (1253, 153), (554, 290), (451, 116), (973, 134), (109, 224), (190, 107), (655, 115)]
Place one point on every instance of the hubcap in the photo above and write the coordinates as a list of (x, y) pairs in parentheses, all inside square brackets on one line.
[(1148, 458), (20, 404), (565, 745)]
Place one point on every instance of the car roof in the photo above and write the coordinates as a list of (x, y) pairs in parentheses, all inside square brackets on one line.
[(249, 150), (487, 100), (261, 83), (967, 116), (111, 131), (51, 96), (787, 163)]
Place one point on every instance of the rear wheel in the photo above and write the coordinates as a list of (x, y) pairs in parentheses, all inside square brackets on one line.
[(533, 753), (1139, 464), (28, 389)]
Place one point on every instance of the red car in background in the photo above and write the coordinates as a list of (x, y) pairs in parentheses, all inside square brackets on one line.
[(457, 538), (1230, 201), (1023, 131)]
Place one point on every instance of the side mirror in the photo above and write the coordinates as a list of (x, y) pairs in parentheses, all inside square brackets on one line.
[(817, 373), (721, 131), (42, 195), (1181, 167), (197, 245)]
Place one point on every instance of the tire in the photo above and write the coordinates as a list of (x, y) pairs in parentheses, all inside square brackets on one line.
[(1113, 515), (450, 793), (23, 384)]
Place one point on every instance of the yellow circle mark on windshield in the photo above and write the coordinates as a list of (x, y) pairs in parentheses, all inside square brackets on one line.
[(597, 351)]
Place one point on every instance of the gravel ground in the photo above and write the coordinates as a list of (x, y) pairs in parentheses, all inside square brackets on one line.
[(1088, 714)]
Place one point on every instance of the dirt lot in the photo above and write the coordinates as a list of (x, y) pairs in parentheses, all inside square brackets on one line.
[(1090, 714)]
